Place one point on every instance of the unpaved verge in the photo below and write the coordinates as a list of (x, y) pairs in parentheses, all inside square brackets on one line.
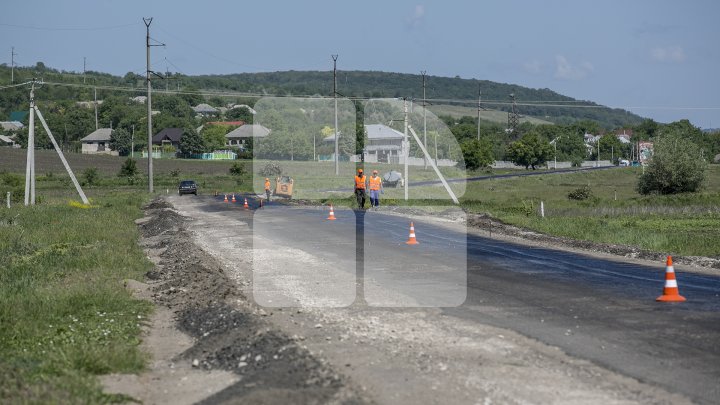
[(411, 356), (207, 341)]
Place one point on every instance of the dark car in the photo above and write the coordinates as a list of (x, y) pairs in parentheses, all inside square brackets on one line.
[(187, 187)]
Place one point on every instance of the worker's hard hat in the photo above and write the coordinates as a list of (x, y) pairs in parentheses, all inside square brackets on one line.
[(359, 170), (266, 179), (374, 171)]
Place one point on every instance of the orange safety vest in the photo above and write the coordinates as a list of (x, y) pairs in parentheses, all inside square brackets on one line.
[(375, 182), (267, 185), (360, 182)]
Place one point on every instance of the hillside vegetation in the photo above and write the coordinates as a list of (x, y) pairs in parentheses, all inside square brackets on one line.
[(442, 90)]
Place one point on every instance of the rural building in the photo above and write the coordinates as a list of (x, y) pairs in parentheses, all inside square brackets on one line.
[(238, 136), (139, 99), (11, 125), (205, 109), (87, 104), (384, 144), (624, 135), (98, 142), (168, 136), (18, 116), (8, 141)]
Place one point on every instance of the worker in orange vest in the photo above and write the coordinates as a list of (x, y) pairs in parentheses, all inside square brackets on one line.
[(360, 186), (376, 187), (267, 188)]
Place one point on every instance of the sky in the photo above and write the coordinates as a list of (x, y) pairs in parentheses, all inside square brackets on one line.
[(659, 59)]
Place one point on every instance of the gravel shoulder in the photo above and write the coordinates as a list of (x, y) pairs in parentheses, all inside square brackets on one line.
[(403, 356)]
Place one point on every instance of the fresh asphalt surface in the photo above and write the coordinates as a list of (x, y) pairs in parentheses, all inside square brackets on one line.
[(595, 309)]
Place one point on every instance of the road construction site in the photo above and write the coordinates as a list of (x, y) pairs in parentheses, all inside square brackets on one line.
[(349, 313)]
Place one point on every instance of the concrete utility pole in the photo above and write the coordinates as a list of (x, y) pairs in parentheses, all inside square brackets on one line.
[(30, 159), (96, 114), (12, 65), (84, 62), (147, 22), (406, 144), (424, 117), (478, 114), (132, 143), (337, 165)]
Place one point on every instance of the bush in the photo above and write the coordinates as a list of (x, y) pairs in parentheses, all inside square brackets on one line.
[(175, 173), (676, 166), (237, 169), (129, 170), (90, 176), (581, 193), (272, 170)]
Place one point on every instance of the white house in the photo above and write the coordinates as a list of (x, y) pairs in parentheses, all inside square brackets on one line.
[(98, 142), (239, 135)]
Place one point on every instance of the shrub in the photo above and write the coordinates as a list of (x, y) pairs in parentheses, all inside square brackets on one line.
[(129, 170), (271, 170), (237, 169), (676, 166), (581, 193), (90, 176), (175, 173)]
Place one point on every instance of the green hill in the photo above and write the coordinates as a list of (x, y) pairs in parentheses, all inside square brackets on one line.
[(449, 96)]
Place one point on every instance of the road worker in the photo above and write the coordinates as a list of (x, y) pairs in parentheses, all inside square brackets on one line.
[(267, 188), (360, 187), (375, 185)]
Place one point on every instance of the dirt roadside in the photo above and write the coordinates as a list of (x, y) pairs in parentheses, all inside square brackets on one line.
[(404, 356), (208, 342)]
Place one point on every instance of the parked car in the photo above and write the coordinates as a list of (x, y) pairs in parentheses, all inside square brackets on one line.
[(187, 187)]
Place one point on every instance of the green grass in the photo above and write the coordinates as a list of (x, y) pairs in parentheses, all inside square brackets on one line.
[(65, 314), (687, 224)]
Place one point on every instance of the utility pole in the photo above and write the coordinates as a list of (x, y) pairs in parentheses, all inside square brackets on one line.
[(406, 144), (513, 119), (337, 166), (12, 65), (147, 22), (149, 104), (96, 115), (132, 143), (84, 61), (478, 114), (30, 160), (424, 73)]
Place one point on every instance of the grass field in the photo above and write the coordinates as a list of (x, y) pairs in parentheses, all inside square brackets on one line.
[(65, 314), (681, 224), (616, 213), (500, 117)]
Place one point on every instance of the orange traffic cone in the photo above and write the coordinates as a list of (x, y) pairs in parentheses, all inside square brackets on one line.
[(411, 239), (670, 292), (225, 200), (332, 214), (233, 199), (246, 206)]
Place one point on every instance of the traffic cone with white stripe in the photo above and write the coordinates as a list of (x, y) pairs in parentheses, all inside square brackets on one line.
[(332, 214), (246, 206), (411, 239), (225, 200), (670, 292), (233, 199)]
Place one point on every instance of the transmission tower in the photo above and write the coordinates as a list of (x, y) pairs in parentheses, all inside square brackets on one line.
[(513, 116)]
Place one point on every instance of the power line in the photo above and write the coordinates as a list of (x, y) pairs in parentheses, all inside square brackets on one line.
[(30, 27), (211, 93)]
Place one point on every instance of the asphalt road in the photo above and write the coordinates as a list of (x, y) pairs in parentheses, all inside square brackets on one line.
[(596, 309)]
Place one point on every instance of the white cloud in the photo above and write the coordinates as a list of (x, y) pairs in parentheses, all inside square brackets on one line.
[(668, 54), (533, 66), (565, 70), (417, 17)]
